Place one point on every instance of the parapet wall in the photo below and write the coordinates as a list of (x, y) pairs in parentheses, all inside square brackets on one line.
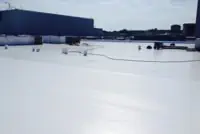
[(29, 40)]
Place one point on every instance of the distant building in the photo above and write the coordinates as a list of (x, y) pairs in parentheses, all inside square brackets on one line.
[(197, 31), (157, 32), (189, 29), (22, 22), (175, 28), (98, 32)]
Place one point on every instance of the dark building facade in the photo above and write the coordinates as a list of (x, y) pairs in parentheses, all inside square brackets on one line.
[(22, 22), (98, 32), (175, 28), (198, 21), (189, 29)]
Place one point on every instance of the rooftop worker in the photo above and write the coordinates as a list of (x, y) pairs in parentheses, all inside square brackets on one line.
[(139, 47), (6, 46), (85, 53)]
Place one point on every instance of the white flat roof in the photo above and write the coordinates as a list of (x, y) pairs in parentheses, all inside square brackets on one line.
[(52, 93)]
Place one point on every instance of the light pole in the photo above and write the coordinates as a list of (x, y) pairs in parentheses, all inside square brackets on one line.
[(9, 5)]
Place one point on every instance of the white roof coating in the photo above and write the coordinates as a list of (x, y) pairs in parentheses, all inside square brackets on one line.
[(52, 93)]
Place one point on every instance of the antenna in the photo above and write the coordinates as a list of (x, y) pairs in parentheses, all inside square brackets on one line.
[(9, 5)]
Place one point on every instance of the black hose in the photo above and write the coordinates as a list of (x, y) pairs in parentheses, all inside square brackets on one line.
[(133, 60)]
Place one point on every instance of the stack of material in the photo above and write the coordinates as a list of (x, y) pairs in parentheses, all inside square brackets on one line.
[(175, 47), (72, 40), (54, 39), (191, 50), (158, 45), (149, 47)]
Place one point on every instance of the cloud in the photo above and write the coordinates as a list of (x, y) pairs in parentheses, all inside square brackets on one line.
[(118, 14)]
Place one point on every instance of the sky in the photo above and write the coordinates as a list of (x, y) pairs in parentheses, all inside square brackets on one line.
[(119, 14)]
